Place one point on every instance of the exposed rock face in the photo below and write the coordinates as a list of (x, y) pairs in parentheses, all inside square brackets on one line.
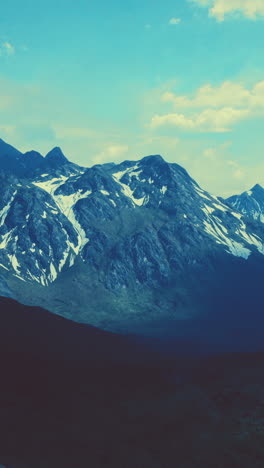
[(140, 231), (250, 203), (149, 216)]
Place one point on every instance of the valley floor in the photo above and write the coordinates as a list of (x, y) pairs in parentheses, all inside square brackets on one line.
[(72, 411)]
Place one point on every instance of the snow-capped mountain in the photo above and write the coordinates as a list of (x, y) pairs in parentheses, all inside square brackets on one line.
[(250, 203), (118, 232)]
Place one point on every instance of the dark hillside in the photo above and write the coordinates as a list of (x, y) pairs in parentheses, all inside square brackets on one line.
[(74, 396)]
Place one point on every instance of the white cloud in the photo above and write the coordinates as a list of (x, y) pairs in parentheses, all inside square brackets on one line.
[(212, 108), (110, 153), (209, 120), (6, 48), (218, 9), (116, 150), (174, 21), (215, 166), (227, 94), (215, 169)]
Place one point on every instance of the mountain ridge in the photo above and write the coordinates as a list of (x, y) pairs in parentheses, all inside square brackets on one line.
[(250, 202), (140, 241)]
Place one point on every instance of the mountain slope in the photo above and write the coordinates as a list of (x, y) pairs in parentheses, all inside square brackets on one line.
[(10, 157), (74, 396), (124, 246), (250, 203), (32, 163), (163, 217), (50, 367)]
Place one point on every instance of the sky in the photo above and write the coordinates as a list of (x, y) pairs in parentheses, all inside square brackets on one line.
[(109, 81)]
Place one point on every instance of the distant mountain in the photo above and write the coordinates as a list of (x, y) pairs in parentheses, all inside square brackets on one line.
[(56, 157), (250, 203), (10, 158), (32, 163), (129, 246)]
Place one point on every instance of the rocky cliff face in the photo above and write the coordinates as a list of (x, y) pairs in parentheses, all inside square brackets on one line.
[(142, 234), (250, 203)]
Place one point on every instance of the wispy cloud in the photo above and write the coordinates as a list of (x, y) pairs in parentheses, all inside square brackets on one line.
[(215, 168), (6, 49), (174, 21), (209, 120), (110, 153), (228, 93), (212, 109), (220, 9)]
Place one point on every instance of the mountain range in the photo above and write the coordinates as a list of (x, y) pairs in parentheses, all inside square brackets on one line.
[(133, 247)]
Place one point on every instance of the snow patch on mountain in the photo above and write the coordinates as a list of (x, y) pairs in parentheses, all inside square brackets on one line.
[(207, 209), (127, 191), (66, 204), (237, 215), (6, 208), (5, 239), (40, 234), (235, 248), (220, 207), (51, 185), (250, 203), (14, 262)]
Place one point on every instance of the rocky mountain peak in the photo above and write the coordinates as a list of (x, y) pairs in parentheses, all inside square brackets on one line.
[(56, 157), (32, 160), (8, 151), (127, 230), (33, 154), (250, 203), (153, 159), (258, 189)]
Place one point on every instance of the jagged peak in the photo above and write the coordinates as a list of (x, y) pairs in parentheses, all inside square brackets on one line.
[(33, 153), (6, 146), (3, 142), (153, 158), (56, 155), (257, 187)]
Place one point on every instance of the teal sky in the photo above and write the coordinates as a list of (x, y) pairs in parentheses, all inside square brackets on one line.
[(109, 81)]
